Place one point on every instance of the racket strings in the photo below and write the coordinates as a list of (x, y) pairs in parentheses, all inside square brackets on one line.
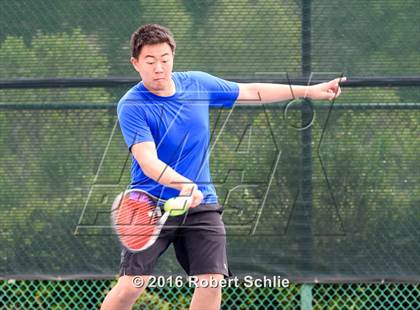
[(136, 221), (136, 212)]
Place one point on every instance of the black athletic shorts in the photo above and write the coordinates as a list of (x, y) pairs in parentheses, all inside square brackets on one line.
[(199, 240)]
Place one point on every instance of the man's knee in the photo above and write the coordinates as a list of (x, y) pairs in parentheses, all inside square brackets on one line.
[(209, 284), (130, 287)]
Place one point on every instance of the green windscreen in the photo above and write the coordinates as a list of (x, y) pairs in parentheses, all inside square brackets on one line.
[(315, 191)]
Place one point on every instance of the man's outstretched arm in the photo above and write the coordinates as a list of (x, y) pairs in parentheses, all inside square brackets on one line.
[(266, 93)]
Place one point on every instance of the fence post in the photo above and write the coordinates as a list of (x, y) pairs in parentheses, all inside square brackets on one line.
[(306, 297), (306, 140)]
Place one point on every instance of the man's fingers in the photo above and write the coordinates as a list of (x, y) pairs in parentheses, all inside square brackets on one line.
[(193, 202), (197, 198), (329, 90), (337, 81), (188, 190), (335, 94), (341, 79)]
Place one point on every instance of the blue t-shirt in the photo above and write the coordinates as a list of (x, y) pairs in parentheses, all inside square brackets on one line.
[(179, 126)]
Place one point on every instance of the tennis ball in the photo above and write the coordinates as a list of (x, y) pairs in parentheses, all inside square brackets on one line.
[(177, 206)]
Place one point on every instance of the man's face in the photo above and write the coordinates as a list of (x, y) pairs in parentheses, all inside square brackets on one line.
[(155, 64)]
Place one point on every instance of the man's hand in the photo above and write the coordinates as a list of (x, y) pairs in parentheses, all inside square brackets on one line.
[(191, 190), (328, 90)]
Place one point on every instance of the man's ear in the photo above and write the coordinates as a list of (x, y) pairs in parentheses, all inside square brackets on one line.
[(135, 63)]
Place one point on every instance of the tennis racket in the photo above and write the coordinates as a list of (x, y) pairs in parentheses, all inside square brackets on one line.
[(137, 217)]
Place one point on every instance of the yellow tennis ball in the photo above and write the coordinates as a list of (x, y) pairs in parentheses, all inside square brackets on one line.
[(177, 206)]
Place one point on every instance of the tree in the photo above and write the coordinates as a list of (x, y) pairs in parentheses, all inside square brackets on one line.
[(48, 155)]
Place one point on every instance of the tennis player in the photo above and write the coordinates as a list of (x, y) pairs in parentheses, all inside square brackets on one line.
[(164, 120)]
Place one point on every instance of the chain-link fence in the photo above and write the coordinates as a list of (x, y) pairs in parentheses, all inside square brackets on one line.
[(89, 294)]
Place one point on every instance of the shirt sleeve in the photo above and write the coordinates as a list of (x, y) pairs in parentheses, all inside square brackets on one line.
[(133, 124), (222, 93)]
